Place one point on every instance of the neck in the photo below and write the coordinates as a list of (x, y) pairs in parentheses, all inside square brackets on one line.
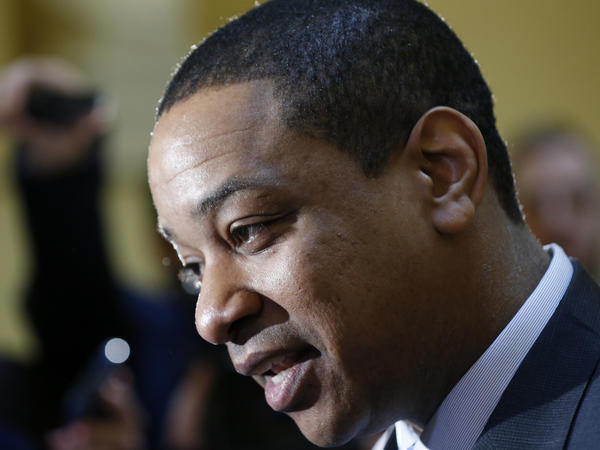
[(514, 269), (505, 265)]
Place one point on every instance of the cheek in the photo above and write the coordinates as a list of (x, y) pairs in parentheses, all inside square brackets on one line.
[(302, 276), (330, 292)]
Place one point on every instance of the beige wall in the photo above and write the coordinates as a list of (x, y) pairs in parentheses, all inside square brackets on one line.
[(539, 56), (14, 337)]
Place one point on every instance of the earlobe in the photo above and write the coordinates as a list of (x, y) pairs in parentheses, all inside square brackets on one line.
[(452, 154)]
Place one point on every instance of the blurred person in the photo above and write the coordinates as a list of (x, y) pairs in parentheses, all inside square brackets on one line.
[(557, 178), (73, 300), (166, 395), (331, 176)]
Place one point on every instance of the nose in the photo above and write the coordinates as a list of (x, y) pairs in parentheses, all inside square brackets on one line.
[(223, 302)]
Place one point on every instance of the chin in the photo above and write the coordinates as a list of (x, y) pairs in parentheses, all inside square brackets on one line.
[(327, 429)]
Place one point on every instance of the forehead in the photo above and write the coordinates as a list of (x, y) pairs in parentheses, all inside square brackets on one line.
[(206, 126), (232, 136)]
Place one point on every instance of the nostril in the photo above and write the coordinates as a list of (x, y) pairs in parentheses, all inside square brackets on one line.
[(242, 329)]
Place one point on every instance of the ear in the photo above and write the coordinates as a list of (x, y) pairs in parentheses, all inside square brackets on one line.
[(451, 152)]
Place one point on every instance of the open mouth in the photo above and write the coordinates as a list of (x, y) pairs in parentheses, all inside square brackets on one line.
[(287, 381), (279, 367)]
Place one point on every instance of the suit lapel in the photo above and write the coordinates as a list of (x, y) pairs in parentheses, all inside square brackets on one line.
[(539, 404)]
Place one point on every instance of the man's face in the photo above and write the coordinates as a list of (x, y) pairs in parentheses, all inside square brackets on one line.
[(560, 197), (315, 276)]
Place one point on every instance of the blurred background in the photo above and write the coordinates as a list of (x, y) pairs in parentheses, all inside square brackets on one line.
[(540, 57)]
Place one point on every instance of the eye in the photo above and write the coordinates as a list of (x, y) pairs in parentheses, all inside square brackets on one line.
[(247, 234), (190, 276), (255, 234)]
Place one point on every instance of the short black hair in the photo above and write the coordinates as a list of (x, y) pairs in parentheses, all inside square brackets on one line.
[(356, 73)]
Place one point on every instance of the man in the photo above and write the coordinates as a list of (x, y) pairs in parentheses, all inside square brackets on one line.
[(330, 175), (558, 187)]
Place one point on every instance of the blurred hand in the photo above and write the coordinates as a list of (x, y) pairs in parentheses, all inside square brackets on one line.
[(122, 430), (49, 147), (187, 414)]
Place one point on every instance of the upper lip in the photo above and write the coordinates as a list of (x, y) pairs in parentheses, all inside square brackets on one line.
[(260, 362)]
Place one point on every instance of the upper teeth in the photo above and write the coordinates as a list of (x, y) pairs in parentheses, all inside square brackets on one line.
[(280, 376)]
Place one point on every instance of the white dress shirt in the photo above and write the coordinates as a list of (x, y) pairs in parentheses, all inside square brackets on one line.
[(462, 416)]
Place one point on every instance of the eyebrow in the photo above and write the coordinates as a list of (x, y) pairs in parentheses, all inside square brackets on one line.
[(215, 200), (235, 184)]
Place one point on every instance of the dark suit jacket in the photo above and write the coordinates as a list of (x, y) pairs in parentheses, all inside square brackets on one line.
[(553, 402)]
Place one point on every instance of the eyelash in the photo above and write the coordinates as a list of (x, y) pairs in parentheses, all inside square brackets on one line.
[(190, 277), (255, 237)]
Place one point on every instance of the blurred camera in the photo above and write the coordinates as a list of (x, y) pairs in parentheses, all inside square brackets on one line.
[(51, 106)]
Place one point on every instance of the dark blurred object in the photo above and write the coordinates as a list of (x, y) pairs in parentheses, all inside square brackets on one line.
[(12, 439), (82, 400), (58, 108)]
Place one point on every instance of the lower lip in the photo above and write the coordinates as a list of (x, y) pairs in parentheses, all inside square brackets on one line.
[(283, 395)]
